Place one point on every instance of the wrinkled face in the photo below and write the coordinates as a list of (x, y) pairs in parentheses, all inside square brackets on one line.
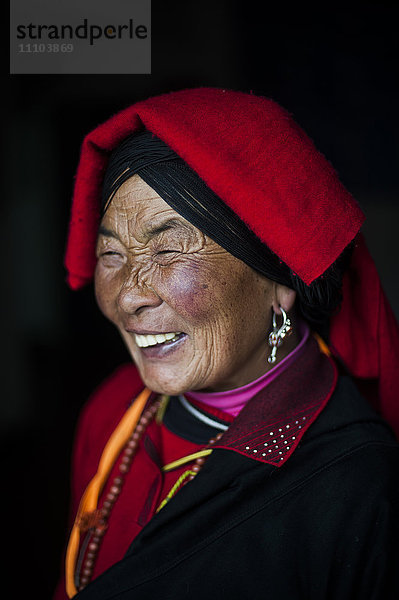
[(192, 315)]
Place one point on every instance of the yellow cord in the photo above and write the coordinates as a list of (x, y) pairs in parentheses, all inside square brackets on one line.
[(162, 409), (175, 488), (185, 459)]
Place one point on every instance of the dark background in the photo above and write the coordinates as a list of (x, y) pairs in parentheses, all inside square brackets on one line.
[(334, 69)]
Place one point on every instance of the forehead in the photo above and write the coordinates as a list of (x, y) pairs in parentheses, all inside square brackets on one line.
[(136, 202), (137, 214)]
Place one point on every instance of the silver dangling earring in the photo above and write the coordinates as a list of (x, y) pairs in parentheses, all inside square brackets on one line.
[(278, 334)]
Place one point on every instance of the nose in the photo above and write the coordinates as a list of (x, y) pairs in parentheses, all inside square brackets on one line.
[(135, 295)]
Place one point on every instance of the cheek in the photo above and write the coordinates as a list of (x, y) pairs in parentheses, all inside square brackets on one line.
[(105, 293), (199, 294), (191, 291)]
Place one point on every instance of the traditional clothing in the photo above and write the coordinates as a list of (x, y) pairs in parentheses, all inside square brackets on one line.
[(298, 500), (300, 496)]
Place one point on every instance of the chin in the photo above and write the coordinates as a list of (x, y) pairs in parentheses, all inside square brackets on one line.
[(164, 383), (169, 389)]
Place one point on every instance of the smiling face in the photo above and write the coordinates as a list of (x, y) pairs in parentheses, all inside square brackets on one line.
[(192, 315)]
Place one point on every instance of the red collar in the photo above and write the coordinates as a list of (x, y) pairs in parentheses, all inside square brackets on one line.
[(272, 424)]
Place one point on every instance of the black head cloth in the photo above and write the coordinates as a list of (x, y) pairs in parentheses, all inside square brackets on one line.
[(180, 186)]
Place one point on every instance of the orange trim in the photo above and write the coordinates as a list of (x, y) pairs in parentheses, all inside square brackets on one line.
[(91, 495), (322, 345)]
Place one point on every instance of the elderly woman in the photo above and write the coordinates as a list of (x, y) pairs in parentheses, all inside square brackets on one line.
[(236, 456)]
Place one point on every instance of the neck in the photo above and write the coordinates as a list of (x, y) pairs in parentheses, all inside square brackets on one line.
[(233, 400), (260, 365)]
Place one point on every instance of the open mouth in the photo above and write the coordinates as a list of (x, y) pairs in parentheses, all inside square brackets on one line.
[(159, 339)]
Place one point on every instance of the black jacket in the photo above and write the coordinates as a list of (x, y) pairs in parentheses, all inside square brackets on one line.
[(323, 526)]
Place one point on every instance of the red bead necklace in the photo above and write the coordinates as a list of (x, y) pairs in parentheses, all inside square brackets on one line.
[(97, 521)]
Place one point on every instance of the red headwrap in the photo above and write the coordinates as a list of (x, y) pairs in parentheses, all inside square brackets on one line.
[(254, 156)]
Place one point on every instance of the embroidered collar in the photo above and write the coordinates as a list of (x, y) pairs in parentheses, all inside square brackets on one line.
[(272, 424)]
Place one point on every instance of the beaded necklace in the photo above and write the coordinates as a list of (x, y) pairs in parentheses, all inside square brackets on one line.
[(95, 522)]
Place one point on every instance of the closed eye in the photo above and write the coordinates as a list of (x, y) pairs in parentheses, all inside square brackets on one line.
[(166, 257), (112, 259)]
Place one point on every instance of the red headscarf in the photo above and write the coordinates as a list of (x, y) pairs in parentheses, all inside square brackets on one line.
[(254, 156)]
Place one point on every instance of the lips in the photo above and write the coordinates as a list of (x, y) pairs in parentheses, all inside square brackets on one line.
[(152, 348)]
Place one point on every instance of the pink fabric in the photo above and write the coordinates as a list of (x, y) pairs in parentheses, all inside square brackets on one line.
[(233, 401)]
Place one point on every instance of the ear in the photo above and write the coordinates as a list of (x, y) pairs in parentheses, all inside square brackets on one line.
[(284, 297)]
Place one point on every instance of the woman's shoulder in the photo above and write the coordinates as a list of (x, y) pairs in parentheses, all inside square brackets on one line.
[(349, 415), (114, 394), (351, 441)]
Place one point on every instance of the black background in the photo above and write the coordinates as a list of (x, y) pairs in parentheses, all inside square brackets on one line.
[(334, 69)]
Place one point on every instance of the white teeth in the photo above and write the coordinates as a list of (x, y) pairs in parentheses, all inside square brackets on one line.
[(143, 341), (170, 336)]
